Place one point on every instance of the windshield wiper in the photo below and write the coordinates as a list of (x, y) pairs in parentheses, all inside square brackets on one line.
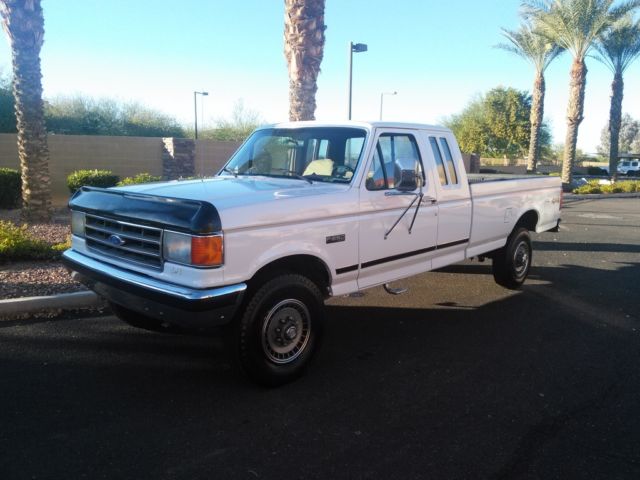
[(295, 174)]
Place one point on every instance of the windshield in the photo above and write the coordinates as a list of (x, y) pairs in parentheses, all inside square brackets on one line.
[(324, 154)]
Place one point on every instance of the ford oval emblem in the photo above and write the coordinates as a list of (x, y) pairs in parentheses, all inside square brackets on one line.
[(116, 241)]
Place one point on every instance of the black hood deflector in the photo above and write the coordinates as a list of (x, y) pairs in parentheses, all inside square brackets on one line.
[(183, 215)]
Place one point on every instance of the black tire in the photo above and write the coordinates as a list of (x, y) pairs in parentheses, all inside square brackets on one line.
[(139, 320), (275, 336), (512, 263)]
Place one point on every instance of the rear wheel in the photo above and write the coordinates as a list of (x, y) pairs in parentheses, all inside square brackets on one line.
[(139, 320), (511, 264), (278, 332)]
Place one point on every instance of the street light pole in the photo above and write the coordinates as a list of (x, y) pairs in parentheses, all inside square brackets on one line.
[(381, 99), (357, 48), (195, 111)]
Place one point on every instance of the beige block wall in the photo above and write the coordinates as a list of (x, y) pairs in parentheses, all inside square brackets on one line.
[(211, 155), (124, 156)]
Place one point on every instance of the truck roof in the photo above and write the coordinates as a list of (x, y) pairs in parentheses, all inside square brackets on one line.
[(352, 123)]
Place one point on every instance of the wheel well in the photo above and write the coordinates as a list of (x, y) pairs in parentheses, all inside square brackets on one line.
[(529, 220), (311, 267)]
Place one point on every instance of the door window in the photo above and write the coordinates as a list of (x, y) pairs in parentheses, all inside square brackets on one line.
[(392, 151)]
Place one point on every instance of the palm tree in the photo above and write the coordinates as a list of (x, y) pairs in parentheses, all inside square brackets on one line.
[(617, 48), (575, 25), (540, 52), (303, 48), (23, 22)]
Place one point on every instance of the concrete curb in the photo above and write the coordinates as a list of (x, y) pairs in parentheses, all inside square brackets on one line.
[(12, 307)]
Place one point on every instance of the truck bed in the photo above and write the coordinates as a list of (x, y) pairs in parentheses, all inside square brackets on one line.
[(499, 200), (498, 177)]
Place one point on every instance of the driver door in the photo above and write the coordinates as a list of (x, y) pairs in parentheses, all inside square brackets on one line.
[(387, 252)]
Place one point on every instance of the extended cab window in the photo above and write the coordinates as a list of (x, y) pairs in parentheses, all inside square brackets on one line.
[(446, 167), (451, 168), (391, 150), (438, 158)]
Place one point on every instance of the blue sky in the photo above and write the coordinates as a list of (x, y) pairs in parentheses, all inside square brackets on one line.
[(436, 55)]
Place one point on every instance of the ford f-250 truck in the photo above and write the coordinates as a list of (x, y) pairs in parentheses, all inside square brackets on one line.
[(301, 212)]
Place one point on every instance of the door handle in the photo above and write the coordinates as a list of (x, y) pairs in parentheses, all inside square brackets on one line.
[(429, 200)]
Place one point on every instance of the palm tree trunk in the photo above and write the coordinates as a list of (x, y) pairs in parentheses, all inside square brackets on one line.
[(615, 121), (575, 110), (24, 24), (537, 113), (303, 48)]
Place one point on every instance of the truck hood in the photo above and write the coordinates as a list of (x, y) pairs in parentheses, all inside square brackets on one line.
[(246, 201)]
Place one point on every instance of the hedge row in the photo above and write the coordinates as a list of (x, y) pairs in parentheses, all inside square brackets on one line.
[(11, 183), (626, 186), (105, 179)]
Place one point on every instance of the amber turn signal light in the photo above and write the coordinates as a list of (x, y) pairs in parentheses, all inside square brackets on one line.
[(206, 251)]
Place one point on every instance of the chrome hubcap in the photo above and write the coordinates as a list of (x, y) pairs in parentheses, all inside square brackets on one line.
[(521, 259), (285, 331)]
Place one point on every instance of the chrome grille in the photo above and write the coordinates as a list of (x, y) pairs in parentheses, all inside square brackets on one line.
[(125, 241)]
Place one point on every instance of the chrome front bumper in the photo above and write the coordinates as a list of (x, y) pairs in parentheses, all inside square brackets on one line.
[(169, 302)]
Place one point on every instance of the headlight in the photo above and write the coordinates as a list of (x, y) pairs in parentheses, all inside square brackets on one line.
[(77, 223), (199, 251)]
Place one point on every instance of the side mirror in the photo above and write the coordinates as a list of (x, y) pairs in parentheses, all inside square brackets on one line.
[(406, 175)]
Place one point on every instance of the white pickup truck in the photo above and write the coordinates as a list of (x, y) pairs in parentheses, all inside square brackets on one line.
[(301, 212)]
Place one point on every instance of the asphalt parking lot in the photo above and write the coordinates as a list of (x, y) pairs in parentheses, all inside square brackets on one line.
[(458, 378)]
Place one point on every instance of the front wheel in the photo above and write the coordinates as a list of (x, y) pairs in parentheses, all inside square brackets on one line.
[(511, 264), (279, 330)]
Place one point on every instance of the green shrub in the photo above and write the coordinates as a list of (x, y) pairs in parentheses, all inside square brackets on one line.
[(626, 186), (591, 187), (139, 178), (58, 248), (93, 178), (613, 188), (81, 115), (629, 186), (587, 189), (10, 188), (17, 244)]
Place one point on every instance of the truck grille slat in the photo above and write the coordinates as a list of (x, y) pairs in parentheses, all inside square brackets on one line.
[(133, 236), (139, 251), (125, 241)]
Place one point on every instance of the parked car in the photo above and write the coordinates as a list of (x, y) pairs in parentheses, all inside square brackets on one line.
[(629, 167), (301, 212)]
